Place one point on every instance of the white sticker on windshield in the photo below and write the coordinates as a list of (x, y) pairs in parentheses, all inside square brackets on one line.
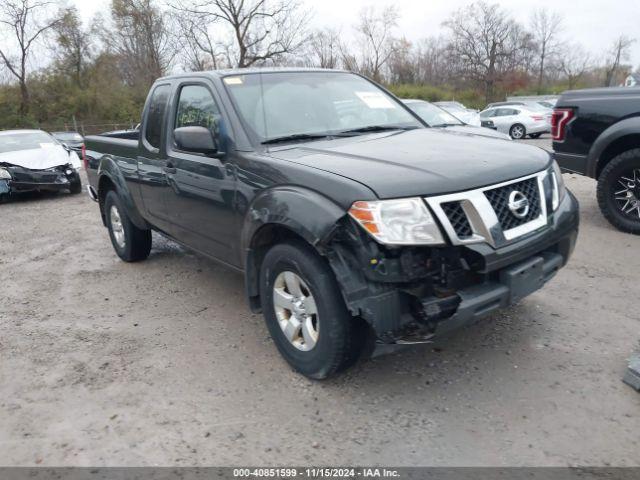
[(375, 100), (233, 80)]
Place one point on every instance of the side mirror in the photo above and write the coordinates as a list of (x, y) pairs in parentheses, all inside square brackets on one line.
[(196, 140)]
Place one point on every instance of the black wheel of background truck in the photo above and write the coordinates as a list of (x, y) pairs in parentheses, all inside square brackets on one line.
[(304, 310), (75, 188), (534, 135), (130, 243), (619, 191), (517, 131)]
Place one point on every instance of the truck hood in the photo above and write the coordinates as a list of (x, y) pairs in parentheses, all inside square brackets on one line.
[(40, 158), (419, 162)]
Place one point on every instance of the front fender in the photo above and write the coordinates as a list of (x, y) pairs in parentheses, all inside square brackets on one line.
[(628, 126), (305, 212), (110, 174)]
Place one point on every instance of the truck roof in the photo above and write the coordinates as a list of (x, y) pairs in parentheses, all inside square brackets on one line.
[(249, 71)]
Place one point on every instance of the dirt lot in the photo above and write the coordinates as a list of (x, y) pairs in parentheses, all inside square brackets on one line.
[(161, 363)]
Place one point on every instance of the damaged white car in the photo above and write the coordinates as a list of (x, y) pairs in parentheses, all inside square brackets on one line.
[(32, 160)]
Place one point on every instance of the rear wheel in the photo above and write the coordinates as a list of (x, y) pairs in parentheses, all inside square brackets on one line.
[(517, 131), (304, 310), (619, 191), (131, 243)]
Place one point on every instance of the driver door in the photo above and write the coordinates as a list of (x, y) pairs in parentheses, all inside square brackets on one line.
[(201, 196)]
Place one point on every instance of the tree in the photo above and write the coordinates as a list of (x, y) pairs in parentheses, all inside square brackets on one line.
[(253, 31), (432, 65), (324, 46), (26, 21), (402, 65), (376, 41), (574, 63), (486, 44), (545, 27), (73, 45), (143, 39), (619, 52), (200, 48)]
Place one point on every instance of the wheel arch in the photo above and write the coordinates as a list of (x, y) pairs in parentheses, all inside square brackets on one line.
[(280, 214), (615, 148), (619, 137), (110, 178)]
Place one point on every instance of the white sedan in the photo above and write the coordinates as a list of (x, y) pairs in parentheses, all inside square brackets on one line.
[(518, 121), (32, 160)]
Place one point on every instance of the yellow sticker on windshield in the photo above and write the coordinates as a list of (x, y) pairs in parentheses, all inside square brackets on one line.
[(233, 80)]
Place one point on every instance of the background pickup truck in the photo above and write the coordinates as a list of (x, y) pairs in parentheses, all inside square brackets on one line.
[(354, 224), (596, 132)]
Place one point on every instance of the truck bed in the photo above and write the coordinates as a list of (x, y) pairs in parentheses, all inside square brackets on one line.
[(121, 146)]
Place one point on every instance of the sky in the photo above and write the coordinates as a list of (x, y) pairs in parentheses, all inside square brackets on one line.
[(592, 23)]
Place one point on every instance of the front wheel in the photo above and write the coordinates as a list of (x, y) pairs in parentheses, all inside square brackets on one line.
[(304, 310), (619, 191), (517, 131), (131, 243)]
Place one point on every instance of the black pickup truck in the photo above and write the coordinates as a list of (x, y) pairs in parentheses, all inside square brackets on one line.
[(596, 132), (353, 222)]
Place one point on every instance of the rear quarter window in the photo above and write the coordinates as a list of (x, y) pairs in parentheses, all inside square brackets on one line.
[(155, 115)]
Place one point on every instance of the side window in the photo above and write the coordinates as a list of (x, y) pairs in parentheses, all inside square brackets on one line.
[(157, 108), (197, 108)]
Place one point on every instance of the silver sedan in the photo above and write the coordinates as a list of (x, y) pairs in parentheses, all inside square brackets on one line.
[(518, 121)]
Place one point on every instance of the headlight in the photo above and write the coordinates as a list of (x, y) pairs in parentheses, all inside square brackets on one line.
[(4, 174), (398, 222), (558, 190)]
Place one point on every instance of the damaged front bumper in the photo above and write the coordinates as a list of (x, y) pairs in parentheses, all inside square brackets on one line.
[(429, 292), (25, 180)]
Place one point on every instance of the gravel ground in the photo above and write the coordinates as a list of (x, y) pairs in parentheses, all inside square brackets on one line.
[(161, 363)]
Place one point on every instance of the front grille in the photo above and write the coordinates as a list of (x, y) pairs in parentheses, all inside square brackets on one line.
[(499, 200), (458, 219), (20, 174)]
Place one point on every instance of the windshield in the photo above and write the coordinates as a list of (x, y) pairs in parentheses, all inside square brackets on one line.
[(433, 115), (298, 105), (12, 142), (68, 136)]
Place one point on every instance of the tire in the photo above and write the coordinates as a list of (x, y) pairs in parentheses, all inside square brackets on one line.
[(76, 188), (611, 185), (517, 131), (334, 347), (130, 243), (535, 135)]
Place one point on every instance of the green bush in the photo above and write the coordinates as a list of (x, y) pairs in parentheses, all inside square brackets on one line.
[(470, 98)]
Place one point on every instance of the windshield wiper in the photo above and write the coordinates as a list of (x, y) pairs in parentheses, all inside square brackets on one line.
[(294, 137), (447, 125), (373, 128)]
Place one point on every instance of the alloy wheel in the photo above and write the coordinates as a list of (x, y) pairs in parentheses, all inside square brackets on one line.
[(627, 194), (116, 226), (517, 132), (296, 311)]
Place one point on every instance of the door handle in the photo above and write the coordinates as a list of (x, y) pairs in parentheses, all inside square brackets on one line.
[(170, 169)]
